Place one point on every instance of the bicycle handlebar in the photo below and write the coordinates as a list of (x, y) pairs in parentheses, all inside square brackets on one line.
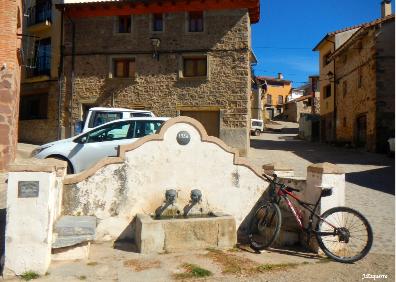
[(282, 185)]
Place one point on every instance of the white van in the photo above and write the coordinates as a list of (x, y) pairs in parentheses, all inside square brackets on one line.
[(101, 115), (256, 126)]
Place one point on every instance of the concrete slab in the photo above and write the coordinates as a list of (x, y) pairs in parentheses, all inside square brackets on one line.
[(73, 230)]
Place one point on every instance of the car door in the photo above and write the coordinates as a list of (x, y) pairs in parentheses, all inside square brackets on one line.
[(100, 143)]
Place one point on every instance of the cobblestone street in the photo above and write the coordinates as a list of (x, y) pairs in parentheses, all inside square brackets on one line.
[(370, 177)]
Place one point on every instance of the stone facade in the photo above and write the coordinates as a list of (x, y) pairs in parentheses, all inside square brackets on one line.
[(158, 85), (365, 88), (10, 22), (44, 128)]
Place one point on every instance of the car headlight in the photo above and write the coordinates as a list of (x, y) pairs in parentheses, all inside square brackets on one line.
[(39, 150)]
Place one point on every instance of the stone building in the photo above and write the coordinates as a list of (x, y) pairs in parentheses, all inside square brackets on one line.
[(326, 47), (365, 86), (39, 110), (174, 58), (357, 83), (273, 93), (10, 67)]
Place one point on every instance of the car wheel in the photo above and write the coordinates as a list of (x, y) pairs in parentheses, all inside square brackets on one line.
[(257, 132), (70, 169)]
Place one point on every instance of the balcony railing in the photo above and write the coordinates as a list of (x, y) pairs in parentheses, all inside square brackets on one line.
[(40, 65), (39, 13)]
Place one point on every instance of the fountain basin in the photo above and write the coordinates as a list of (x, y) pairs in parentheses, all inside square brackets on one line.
[(191, 233)]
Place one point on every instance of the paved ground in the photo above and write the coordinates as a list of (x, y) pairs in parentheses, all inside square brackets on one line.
[(108, 264), (370, 189), (370, 186)]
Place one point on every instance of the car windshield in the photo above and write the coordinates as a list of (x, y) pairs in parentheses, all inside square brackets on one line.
[(99, 118)]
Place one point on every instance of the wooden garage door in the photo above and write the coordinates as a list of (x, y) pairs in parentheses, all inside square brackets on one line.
[(209, 119)]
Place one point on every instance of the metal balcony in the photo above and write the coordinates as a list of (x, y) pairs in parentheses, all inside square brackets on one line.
[(39, 14), (40, 66)]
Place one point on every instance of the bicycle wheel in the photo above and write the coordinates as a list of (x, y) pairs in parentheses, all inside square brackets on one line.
[(344, 234), (265, 226)]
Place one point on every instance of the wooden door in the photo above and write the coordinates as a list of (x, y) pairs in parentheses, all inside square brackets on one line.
[(361, 133), (209, 119)]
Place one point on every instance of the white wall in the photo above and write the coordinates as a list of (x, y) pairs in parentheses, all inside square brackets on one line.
[(117, 192)]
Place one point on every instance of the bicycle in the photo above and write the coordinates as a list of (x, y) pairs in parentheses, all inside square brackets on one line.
[(338, 230)]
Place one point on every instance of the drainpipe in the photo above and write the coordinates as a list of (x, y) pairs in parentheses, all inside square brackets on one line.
[(60, 79), (72, 74), (334, 94)]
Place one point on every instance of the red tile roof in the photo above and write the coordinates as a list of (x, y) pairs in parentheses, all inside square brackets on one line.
[(367, 24)]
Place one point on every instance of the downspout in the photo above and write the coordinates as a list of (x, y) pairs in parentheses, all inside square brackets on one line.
[(334, 100), (334, 95), (60, 78), (72, 74)]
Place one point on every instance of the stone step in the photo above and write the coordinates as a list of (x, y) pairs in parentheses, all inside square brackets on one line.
[(73, 230)]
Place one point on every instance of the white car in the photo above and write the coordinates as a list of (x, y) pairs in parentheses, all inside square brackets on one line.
[(256, 126), (84, 150), (100, 115)]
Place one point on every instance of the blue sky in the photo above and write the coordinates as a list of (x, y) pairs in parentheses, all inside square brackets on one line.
[(289, 29)]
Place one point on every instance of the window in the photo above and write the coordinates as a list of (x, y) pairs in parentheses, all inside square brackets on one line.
[(142, 114), (124, 24), (111, 132), (143, 128), (344, 122), (280, 100), (100, 118), (327, 91), (269, 99), (195, 67), (360, 78), (33, 107), (158, 22), (195, 22), (325, 59), (344, 88), (41, 62), (124, 67)]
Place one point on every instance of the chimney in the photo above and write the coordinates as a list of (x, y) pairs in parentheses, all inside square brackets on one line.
[(386, 8), (280, 75)]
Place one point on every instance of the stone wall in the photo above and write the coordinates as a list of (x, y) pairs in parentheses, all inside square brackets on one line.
[(371, 56), (359, 98), (157, 85), (39, 131), (10, 21), (385, 84)]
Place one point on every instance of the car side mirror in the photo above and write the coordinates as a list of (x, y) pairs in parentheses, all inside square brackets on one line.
[(82, 140)]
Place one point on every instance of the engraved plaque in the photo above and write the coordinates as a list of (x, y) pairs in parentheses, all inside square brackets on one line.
[(28, 189), (183, 137)]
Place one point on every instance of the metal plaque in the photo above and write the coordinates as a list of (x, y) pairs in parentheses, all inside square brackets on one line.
[(28, 189), (183, 137)]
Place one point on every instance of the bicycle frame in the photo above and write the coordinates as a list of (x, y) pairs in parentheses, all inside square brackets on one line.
[(284, 194)]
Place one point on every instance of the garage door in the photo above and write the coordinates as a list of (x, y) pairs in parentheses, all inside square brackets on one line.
[(209, 119)]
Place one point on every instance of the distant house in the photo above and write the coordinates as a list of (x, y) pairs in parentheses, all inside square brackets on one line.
[(358, 87), (307, 101), (274, 92)]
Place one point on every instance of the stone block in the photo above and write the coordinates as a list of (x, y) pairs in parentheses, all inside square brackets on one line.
[(172, 235)]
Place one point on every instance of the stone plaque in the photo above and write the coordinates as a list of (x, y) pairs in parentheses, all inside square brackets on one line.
[(28, 189), (183, 137)]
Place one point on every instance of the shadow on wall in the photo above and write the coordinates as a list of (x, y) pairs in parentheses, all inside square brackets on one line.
[(3, 213)]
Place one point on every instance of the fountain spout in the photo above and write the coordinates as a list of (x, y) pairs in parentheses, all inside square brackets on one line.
[(168, 208)]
